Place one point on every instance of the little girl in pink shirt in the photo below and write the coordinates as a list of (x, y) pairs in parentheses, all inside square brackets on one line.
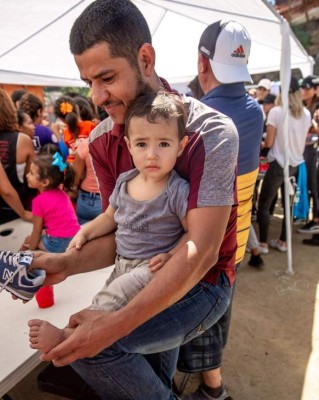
[(54, 219)]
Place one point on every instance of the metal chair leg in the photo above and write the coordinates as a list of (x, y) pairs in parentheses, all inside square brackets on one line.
[(179, 388)]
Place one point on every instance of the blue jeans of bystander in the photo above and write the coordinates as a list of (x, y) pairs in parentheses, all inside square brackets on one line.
[(54, 244), (88, 206)]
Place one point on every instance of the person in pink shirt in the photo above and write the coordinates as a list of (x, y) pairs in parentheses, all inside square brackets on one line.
[(54, 219)]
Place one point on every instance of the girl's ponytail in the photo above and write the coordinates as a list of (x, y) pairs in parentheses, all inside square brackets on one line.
[(69, 178), (66, 109), (56, 170)]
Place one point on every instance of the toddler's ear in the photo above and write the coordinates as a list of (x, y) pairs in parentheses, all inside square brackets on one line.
[(182, 145), (128, 143)]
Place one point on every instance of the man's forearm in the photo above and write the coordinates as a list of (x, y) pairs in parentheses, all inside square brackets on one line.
[(95, 254)]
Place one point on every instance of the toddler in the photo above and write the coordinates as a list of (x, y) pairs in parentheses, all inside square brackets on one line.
[(54, 219), (147, 208)]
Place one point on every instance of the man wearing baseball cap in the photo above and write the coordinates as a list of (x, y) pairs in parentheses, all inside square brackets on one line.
[(224, 49)]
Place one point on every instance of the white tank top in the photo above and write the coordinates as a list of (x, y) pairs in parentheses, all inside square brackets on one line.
[(20, 171)]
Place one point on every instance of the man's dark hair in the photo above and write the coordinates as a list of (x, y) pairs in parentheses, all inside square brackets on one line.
[(157, 106), (119, 23)]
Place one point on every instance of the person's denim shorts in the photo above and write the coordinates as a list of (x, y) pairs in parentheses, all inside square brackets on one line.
[(55, 244)]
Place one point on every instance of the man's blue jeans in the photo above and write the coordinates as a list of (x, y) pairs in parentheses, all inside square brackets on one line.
[(88, 206), (141, 365)]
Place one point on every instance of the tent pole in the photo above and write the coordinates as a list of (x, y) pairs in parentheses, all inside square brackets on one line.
[(285, 76)]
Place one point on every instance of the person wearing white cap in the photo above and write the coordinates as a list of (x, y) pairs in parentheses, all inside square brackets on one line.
[(224, 49), (263, 88)]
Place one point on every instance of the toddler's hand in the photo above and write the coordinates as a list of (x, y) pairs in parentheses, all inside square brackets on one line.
[(77, 242), (158, 261)]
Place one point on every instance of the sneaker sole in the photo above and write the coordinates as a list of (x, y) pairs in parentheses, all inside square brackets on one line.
[(276, 246), (279, 249), (263, 250), (308, 231), (18, 294)]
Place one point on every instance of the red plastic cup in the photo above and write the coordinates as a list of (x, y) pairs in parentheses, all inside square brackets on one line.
[(45, 297)]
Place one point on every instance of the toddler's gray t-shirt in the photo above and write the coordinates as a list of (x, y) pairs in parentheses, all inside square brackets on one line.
[(147, 228)]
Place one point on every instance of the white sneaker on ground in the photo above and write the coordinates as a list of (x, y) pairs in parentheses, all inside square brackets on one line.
[(274, 243)]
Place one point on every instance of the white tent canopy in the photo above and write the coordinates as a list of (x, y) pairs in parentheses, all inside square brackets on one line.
[(34, 47)]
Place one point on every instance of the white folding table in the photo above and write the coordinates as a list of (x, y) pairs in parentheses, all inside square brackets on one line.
[(17, 359)]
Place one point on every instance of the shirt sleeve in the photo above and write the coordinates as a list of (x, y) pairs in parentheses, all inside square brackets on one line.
[(37, 209), (178, 197), (212, 166), (83, 149), (113, 200), (272, 118)]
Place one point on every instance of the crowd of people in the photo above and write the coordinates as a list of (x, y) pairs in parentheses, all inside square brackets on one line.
[(303, 133), (25, 135), (165, 188)]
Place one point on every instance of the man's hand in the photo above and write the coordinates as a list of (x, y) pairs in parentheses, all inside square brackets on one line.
[(158, 261), (52, 263), (94, 331)]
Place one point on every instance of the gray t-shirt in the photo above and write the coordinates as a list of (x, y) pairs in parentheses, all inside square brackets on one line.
[(147, 228)]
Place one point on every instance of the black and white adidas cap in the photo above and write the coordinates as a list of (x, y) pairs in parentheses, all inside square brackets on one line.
[(227, 45)]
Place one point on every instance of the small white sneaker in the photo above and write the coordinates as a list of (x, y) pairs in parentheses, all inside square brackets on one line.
[(274, 243), (263, 250)]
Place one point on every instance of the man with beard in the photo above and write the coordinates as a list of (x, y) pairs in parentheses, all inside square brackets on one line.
[(133, 351)]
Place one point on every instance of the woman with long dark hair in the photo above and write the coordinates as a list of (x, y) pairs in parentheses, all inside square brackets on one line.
[(16, 154)]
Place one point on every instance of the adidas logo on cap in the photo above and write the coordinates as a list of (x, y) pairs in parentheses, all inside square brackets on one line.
[(239, 52)]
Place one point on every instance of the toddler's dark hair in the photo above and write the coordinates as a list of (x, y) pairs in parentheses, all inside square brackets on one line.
[(53, 173), (155, 106)]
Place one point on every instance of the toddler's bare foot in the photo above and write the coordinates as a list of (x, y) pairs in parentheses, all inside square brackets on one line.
[(44, 336)]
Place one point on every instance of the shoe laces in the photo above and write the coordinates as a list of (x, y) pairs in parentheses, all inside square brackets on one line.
[(13, 260)]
